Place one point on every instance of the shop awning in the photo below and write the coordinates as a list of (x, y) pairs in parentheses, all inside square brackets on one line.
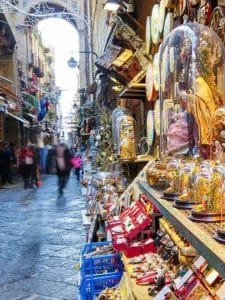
[(31, 118), (135, 89), (25, 122)]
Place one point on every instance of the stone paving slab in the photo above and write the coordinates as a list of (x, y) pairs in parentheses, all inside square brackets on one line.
[(41, 235)]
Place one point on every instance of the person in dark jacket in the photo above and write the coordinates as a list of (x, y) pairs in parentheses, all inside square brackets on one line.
[(5, 161), (63, 166)]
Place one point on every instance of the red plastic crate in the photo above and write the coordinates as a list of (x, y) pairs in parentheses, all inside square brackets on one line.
[(133, 250), (119, 242), (149, 246)]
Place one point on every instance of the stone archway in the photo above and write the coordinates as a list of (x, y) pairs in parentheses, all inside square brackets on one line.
[(70, 10)]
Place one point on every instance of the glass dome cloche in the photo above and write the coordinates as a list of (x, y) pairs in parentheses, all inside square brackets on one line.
[(208, 192), (185, 190), (172, 179), (117, 113), (192, 76), (124, 139), (220, 232)]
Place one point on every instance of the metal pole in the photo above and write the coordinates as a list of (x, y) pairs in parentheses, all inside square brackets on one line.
[(88, 52)]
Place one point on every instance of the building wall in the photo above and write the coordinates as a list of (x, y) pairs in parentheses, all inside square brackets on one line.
[(101, 27)]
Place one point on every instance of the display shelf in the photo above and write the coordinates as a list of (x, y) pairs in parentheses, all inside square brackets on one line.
[(199, 238), (139, 159)]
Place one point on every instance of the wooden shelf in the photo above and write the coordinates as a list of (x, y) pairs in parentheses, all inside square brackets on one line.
[(199, 238), (139, 159)]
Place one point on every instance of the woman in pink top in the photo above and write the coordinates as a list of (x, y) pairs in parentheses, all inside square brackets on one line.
[(77, 163)]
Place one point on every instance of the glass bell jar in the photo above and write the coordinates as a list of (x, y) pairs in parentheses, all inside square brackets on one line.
[(220, 232), (201, 191), (117, 113), (125, 137), (218, 131), (208, 193), (185, 189), (172, 180), (192, 77)]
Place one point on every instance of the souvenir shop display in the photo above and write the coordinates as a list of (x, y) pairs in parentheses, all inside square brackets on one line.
[(148, 37), (124, 127), (149, 81), (208, 193), (155, 33), (116, 114), (185, 189), (168, 25), (204, 12), (218, 128), (157, 119), (172, 180), (176, 268), (159, 224), (217, 22), (162, 14), (109, 294), (102, 179), (168, 110), (192, 58), (126, 227), (156, 76), (150, 128), (156, 174), (219, 194)]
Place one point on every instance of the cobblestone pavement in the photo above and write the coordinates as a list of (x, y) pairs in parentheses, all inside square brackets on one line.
[(41, 235)]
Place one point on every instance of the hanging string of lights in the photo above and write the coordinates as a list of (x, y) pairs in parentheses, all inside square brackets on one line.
[(43, 11)]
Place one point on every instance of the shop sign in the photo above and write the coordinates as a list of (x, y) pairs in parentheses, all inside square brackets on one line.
[(1, 126)]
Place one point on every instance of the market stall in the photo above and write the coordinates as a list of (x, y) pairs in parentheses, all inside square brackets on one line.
[(168, 223)]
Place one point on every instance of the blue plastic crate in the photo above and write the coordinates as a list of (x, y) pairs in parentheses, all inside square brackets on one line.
[(101, 264), (90, 247), (92, 286)]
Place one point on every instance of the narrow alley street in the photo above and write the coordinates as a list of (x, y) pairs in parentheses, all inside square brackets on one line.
[(40, 239)]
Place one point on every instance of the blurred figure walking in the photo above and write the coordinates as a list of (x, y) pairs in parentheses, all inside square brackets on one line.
[(63, 166), (28, 166), (5, 164), (77, 164)]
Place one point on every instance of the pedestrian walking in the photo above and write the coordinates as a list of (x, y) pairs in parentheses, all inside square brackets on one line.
[(28, 166), (63, 166), (77, 164)]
